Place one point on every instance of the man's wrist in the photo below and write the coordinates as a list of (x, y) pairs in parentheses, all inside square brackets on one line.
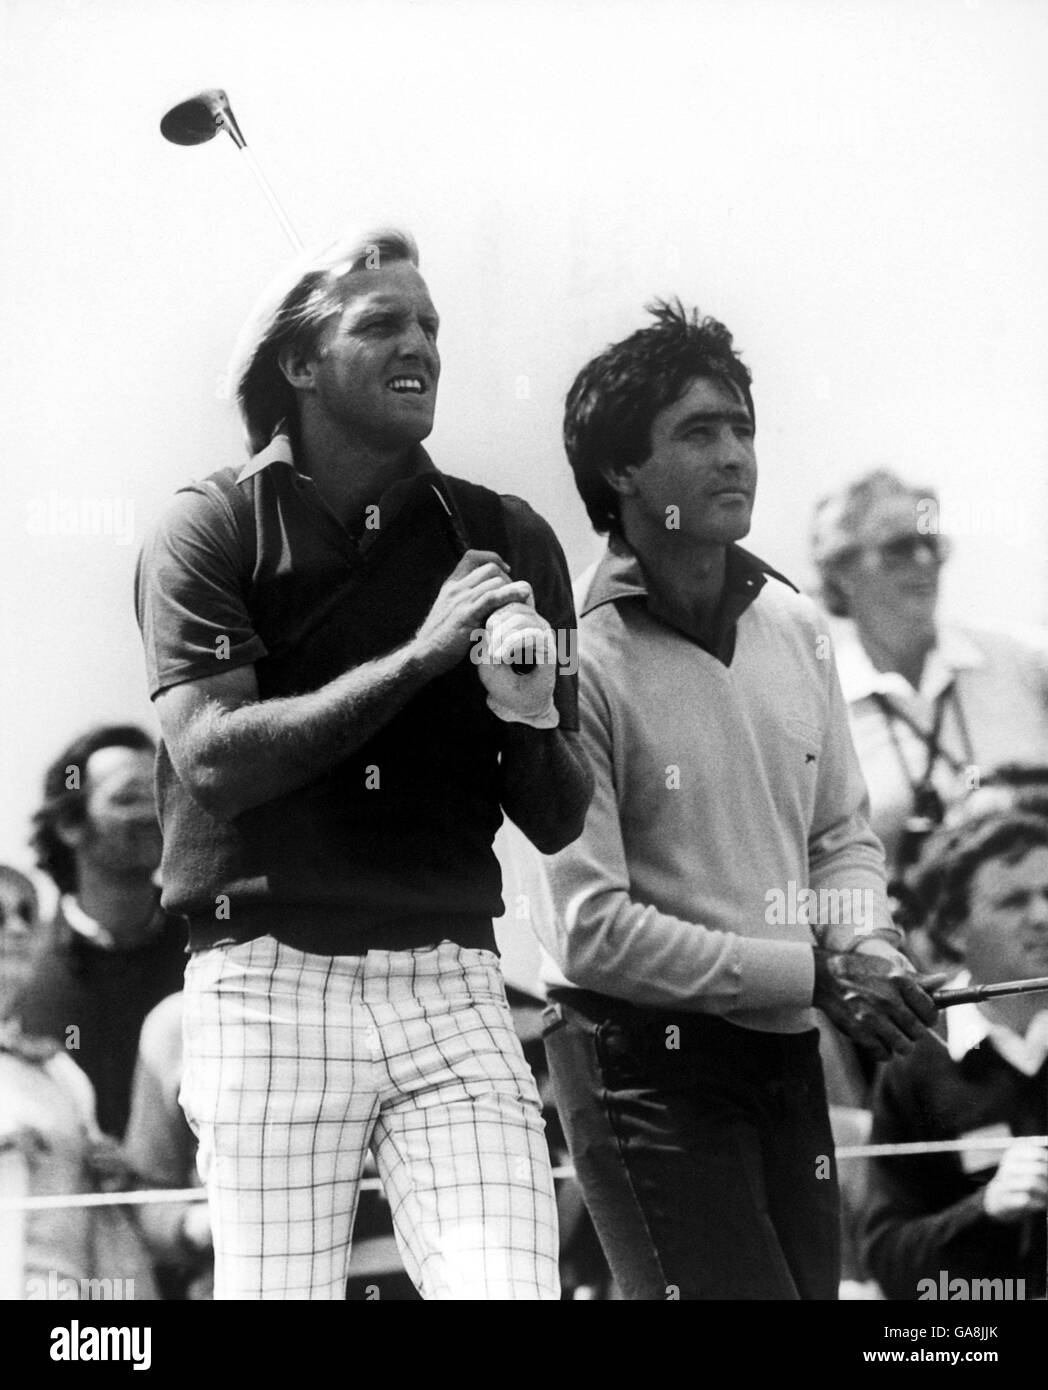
[(549, 718), (419, 663), (878, 946)]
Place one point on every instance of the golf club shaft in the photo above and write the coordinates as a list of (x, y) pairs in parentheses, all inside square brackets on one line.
[(271, 197), (945, 998)]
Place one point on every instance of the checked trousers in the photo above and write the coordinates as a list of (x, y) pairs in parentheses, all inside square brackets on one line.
[(297, 1064)]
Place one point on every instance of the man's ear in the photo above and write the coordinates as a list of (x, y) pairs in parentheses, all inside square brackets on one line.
[(847, 581), (622, 480), (70, 832), (298, 366)]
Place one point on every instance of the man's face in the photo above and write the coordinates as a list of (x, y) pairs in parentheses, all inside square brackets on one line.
[(120, 833), (1007, 930), (895, 572), (376, 366), (702, 462), (18, 922)]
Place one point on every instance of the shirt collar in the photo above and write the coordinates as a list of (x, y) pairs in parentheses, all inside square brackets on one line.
[(967, 1027), (618, 575), (954, 651), (280, 450), (83, 925)]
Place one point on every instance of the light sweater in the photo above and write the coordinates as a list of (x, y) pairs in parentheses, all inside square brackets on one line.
[(719, 787)]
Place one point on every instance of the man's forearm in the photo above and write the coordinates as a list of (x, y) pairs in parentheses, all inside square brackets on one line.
[(267, 748), (546, 784)]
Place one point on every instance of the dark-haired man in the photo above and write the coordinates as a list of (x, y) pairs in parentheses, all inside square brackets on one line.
[(329, 635), (726, 879), (937, 1222), (111, 952)]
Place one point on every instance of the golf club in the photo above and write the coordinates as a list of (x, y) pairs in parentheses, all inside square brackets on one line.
[(199, 119), (944, 998)]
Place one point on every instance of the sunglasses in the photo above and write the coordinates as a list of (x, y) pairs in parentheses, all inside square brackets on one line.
[(903, 550)]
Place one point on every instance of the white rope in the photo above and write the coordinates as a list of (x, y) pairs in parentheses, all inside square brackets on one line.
[(160, 1195), (936, 1146)]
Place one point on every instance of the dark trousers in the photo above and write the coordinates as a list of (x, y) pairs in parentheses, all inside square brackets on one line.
[(703, 1150)]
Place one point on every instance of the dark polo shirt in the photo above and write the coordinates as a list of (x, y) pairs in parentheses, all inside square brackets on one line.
[(93, 1000), (391, 848)]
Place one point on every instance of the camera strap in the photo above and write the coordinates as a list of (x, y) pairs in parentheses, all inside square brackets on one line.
[(931, 738)]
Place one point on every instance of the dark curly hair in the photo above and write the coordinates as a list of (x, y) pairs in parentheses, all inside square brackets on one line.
[(66, 805), (614, 400), (1011, 786), (940, 881)]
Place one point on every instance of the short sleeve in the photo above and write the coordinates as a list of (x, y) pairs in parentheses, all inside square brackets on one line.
[(535, 554), (189, 594)]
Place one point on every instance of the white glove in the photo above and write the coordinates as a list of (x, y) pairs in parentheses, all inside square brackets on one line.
[(516, 633)]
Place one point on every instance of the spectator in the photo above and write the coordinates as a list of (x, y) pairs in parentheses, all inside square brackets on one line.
[(978, 1214), (50, 1145), (933, 706), (1023, 786), (112, 953)]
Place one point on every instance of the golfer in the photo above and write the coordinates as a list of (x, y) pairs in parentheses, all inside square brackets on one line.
[(328, 632)]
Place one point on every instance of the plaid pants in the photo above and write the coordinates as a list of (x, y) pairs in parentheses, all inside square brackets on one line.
[(296, 1064)]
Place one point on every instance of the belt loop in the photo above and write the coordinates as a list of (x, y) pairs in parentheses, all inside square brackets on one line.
[(552, 1019)]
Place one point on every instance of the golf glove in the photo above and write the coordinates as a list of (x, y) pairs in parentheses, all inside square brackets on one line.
[(513, 633)]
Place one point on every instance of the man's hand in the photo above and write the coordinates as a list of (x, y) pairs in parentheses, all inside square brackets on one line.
[(26, 1140), (476, 587), (877, 1003), (195, 1229), (1020, 1184), (517, 634), (109, 1165)]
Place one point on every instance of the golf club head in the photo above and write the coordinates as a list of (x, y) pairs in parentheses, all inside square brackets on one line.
[(199, 119)]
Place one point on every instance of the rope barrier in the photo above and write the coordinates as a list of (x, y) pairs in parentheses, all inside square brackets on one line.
[(165, 1195), (936, 1146)]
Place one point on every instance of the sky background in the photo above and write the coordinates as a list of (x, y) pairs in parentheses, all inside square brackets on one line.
[(858, 188)]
